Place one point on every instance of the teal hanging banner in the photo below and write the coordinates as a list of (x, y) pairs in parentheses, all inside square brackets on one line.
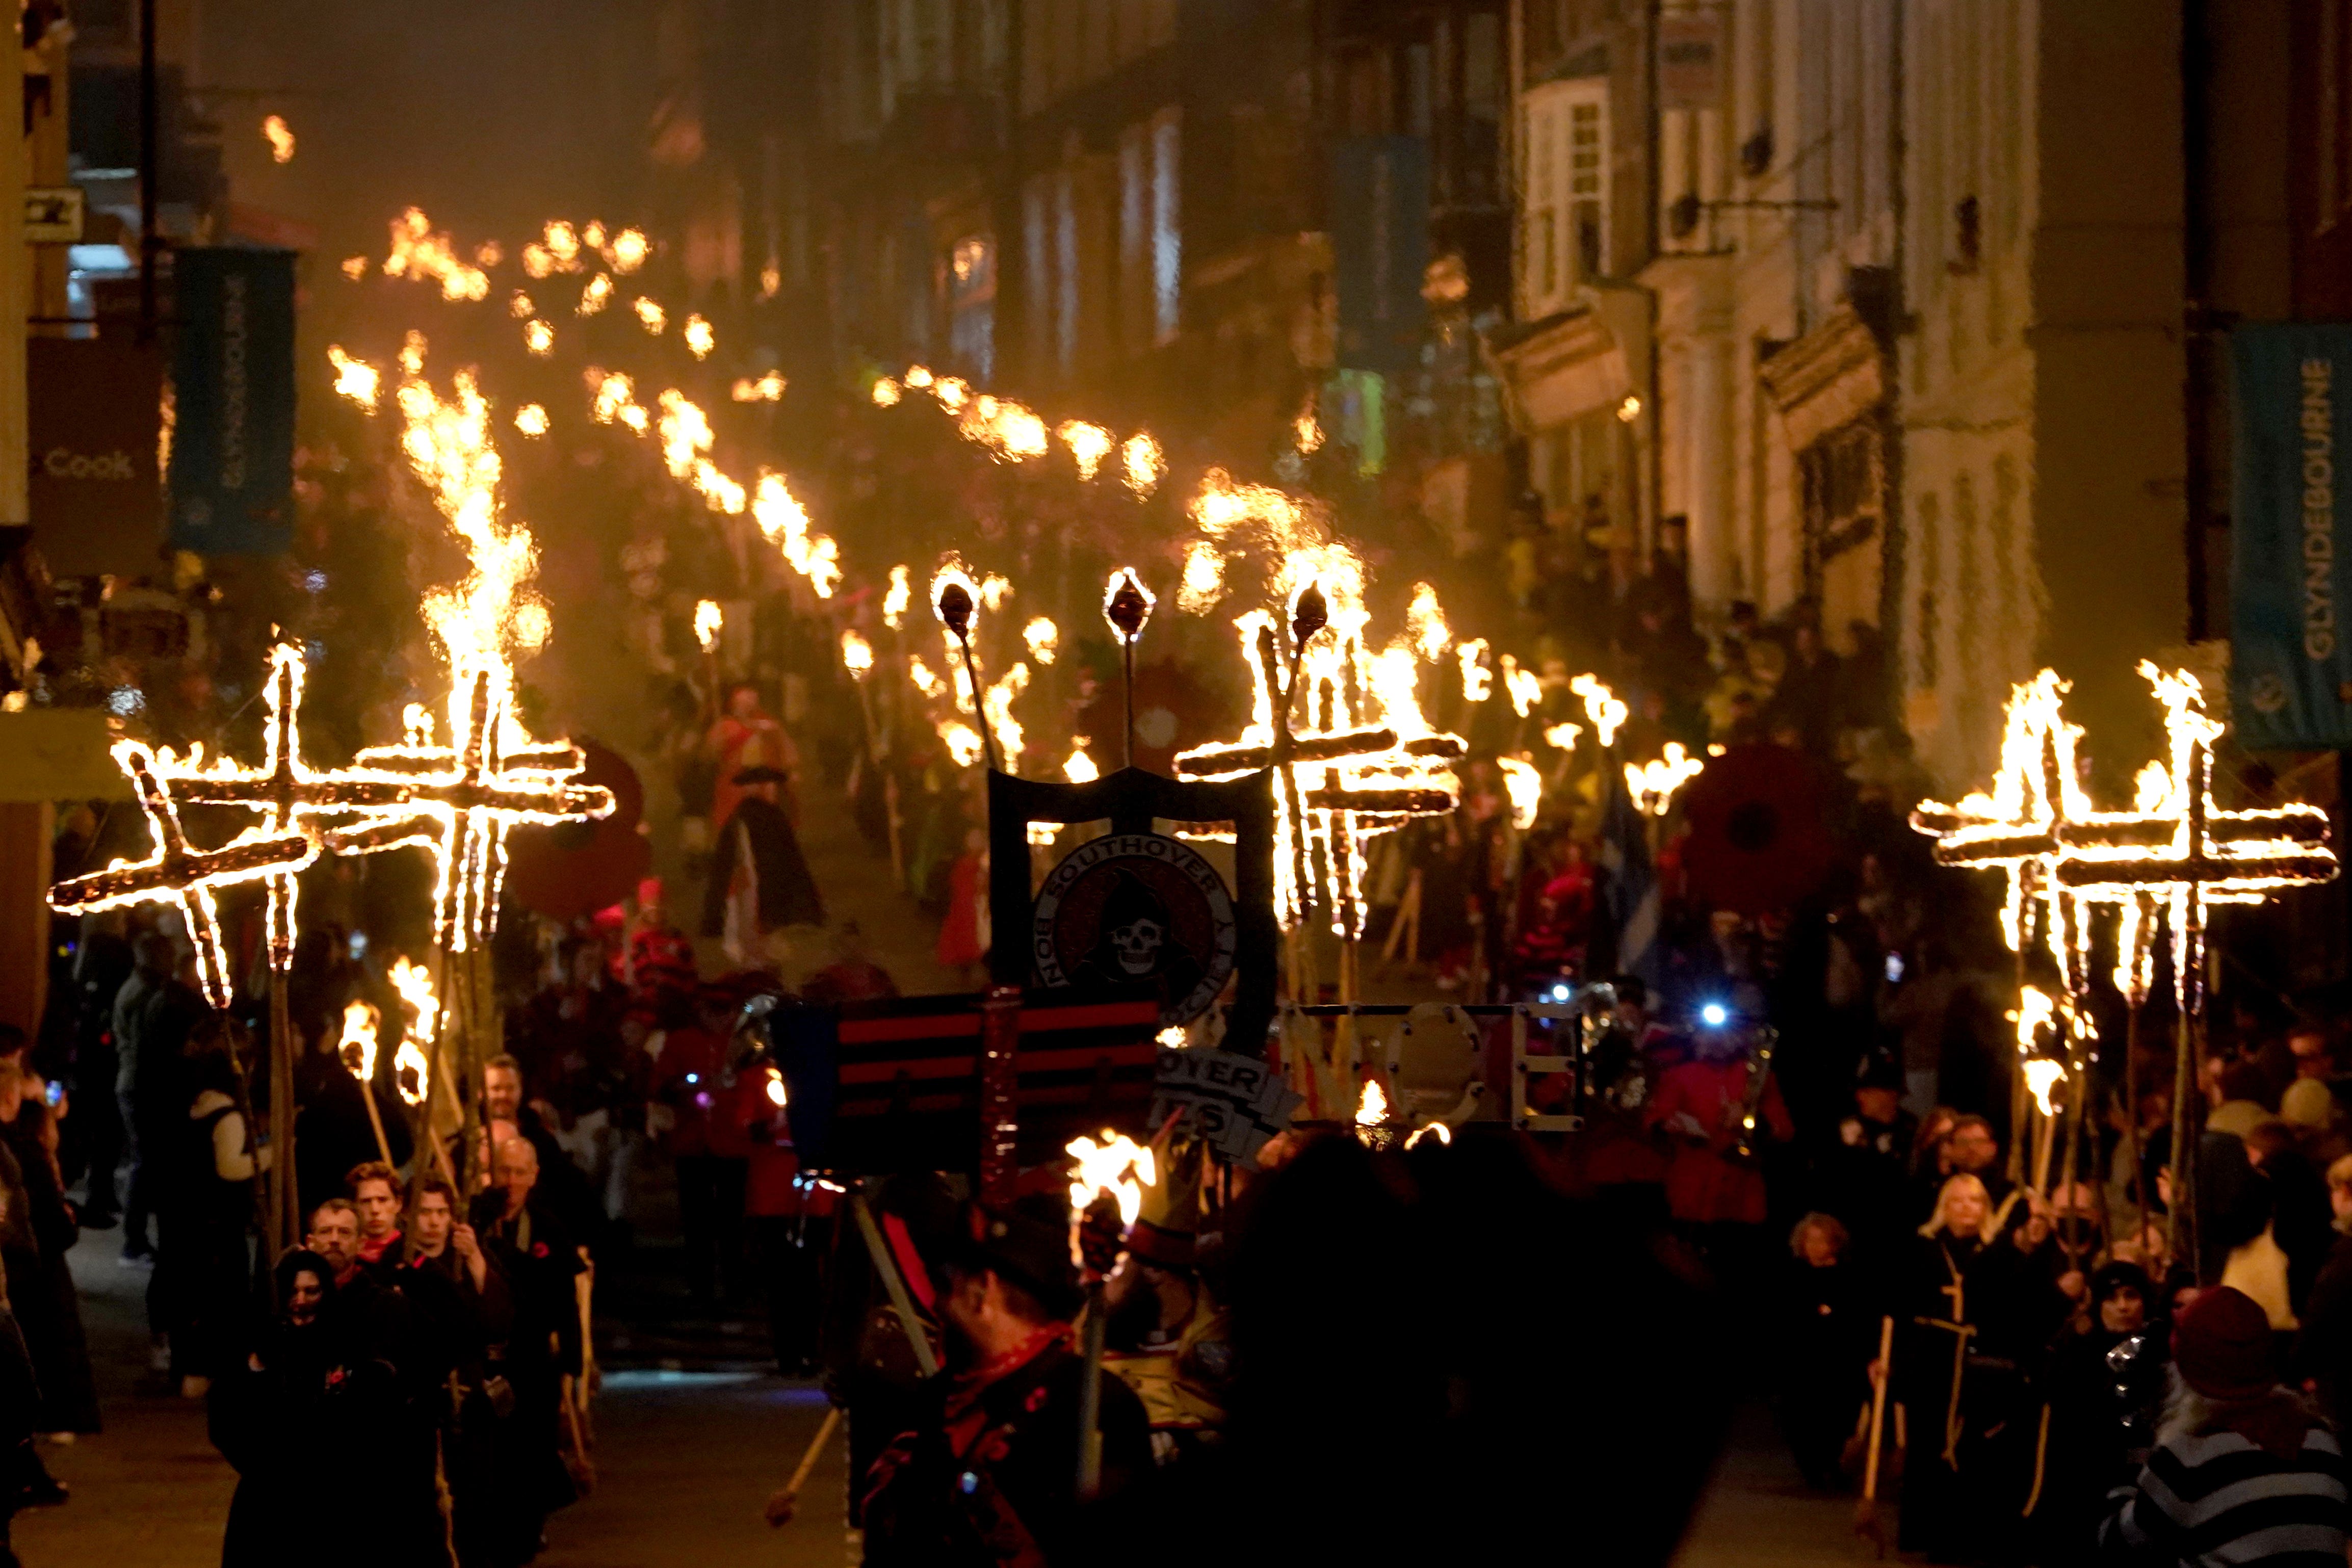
[(1379, 250), (2291, 644), (232, 475)]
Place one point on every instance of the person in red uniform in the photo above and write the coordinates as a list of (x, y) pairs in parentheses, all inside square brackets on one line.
[(1717, 1197), (696, 1080)]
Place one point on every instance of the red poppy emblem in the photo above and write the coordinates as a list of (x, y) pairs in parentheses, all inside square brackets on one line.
[(1035, 1401), (539, 1249)]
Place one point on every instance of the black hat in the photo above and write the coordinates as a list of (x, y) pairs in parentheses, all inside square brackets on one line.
[(759, 773), (1029, 1244), (2120, 1275), (1879, 1069)]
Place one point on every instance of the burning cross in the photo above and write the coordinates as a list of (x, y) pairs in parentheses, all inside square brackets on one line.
[(286, 791), (183, 875), (1343, 783), (465, 796), (2176, 845)]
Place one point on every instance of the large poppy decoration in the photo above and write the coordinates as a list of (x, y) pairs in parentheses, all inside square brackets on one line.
[(1759, 838)]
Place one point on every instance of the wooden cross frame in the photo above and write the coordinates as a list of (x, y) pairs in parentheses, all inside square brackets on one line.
[(458, 801), (178, 873)]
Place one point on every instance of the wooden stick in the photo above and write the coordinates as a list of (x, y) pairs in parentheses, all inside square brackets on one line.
[(1878, 1407), (375, 1120), (785, 1502), (1865, 1513)]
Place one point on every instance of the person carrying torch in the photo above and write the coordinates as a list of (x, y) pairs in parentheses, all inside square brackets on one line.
[(988, 1473)]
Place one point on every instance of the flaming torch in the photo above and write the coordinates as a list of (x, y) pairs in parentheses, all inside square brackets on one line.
[(357, 1052), (1127, 605), (956, 601), (1106, 1197)]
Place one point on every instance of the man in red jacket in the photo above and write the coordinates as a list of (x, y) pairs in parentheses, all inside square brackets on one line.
[(1717, 1197)]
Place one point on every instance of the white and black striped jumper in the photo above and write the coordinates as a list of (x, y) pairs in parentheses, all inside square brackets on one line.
[(2221, 1499)]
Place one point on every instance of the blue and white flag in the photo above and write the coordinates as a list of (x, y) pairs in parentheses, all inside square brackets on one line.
[(1634, 897)]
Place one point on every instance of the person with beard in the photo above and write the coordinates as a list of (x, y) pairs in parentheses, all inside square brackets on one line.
[(1137, 944), (560, 1187), (1956, 1376), (464, 1317), (535, 1251), (987, 1473), (760, 880), (297, 1420)]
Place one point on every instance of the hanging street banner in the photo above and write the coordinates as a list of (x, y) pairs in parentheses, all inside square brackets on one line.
[(232, 473), (2291, 648), (96, 410), (1379, 246)]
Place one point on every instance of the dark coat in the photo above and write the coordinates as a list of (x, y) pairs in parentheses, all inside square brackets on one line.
[(787, 892)]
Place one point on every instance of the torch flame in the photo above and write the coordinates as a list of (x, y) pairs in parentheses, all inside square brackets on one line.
[(1088, 443), (1141, 464), (357, 1047), (1600, 706), (1117, 1165), (275, 131), (354, 379), (1042, 638), (650, 313), (1653, 784), (1204, 579), (1080, 768), (531, 419), (895, 602), (709, 621), (856, 654), (699, 338), (1372, 1105), (1424, 623)]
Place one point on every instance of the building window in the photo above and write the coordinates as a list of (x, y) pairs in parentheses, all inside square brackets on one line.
[(1842, 476), (1066, 299), (1137, 309), (1565, 201)]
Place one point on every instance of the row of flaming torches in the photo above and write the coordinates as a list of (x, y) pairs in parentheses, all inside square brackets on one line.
[(1229, 517)]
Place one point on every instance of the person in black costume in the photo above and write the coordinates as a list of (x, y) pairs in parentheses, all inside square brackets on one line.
[(48, 1306), (1829, 1331), (296, 1420), (540, 1261), (464, 1318), (2102, 1387), (1957, 1377), (758, 863)]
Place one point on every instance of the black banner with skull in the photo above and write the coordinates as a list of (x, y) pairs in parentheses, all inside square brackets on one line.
[(1135, 906)]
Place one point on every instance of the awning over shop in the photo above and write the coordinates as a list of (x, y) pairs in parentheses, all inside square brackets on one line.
[(1832, 375), (1562, 367)]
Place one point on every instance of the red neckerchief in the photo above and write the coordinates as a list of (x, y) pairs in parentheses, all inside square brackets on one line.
[(373, 1251), (964, 1417)]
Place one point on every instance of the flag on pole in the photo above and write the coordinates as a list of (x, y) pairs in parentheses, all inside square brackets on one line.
[(1634, 896)]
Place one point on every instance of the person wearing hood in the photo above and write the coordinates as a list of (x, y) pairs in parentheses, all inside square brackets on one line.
[(2243, 1469), (294, 1419), (2101, 1387)]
